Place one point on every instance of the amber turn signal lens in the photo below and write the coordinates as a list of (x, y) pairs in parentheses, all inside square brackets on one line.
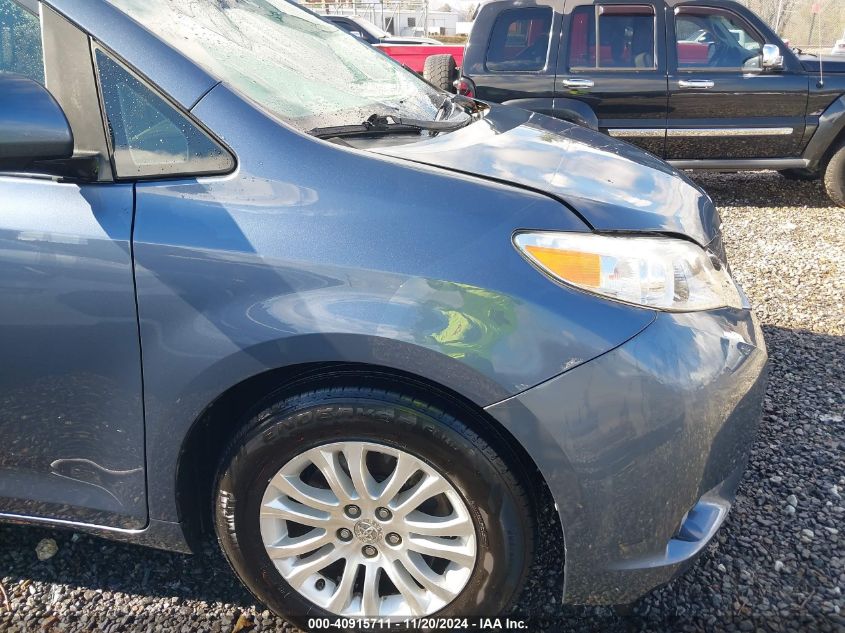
[(583, 269)]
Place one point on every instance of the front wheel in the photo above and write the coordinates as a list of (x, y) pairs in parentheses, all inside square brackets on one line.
[(834, 176), (357, 502)]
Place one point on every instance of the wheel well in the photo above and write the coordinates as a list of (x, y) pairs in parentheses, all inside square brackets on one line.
[(831, 149), (212, 431)]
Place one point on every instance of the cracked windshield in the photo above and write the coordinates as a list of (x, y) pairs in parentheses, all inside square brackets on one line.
[(296, 66)]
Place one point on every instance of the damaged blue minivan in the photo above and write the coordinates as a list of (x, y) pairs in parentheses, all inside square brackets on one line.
[(258, 281)]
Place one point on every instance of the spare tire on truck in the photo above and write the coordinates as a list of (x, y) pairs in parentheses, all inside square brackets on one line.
[(441, 71)]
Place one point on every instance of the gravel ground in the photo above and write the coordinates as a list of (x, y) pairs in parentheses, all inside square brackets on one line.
[(778, 564)]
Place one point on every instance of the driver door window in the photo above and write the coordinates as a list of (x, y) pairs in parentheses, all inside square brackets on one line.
[(715, 39)]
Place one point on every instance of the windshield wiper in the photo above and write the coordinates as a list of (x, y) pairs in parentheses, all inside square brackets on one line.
[(387, 124)]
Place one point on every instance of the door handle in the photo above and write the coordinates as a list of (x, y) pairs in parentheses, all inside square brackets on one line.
[(696, 84), (578, 83)]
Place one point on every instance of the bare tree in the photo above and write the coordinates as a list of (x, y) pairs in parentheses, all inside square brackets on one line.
[(776, 13), (469, 12)]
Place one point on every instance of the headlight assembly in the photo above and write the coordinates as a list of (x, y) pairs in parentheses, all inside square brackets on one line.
[(654, 272)]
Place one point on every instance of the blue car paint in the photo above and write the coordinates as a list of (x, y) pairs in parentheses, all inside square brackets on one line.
[(269, 267), (602, 179), (71, 414), (647, 430), (399, 257)]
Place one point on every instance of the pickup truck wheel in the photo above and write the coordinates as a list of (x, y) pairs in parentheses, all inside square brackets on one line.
[(834, 176), (800, 174), (441, 71)]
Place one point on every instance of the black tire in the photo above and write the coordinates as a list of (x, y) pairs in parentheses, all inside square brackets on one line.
[(834, 176), (441, 71), (497, 502), (800, 174)]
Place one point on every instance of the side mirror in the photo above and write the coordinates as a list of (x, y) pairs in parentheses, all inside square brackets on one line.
[(772, 57), (33, 126)]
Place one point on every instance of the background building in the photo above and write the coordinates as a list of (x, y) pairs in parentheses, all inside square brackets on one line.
[(398, 18)]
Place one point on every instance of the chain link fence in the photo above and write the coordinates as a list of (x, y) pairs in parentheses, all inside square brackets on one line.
[(811, 25)]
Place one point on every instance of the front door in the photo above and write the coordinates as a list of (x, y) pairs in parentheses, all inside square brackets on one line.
[(71, 416), (722, 104), (613, 59)]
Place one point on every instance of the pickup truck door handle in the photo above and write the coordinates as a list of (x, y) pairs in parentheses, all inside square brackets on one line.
[(578, 83), (699, 84)]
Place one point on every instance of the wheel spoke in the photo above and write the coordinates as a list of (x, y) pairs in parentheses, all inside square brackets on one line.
[(362, 480), (343, 593), (287, 509), (339, 482), (401, 579), (424, 575), (427, 488), (295, 488), (427, 525), (462, 554), (287, 547), (370, 601), (303, 570), (406, 467)]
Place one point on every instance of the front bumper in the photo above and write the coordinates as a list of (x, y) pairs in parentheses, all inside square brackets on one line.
[(643, 448)]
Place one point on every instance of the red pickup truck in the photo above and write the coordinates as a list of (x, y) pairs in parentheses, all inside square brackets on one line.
[(437, 62), (416, 56)]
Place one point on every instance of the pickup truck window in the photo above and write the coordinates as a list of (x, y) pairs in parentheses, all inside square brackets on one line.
[(711, 38), (20, 42), (520, 40), (625, 36)]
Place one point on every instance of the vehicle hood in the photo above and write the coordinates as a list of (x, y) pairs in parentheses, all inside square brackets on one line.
[(830, 63), (612, 185)]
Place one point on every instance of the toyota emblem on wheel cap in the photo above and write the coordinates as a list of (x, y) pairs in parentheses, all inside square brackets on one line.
[(367, 532)]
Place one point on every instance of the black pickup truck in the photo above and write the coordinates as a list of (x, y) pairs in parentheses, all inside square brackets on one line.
[(704, 84)]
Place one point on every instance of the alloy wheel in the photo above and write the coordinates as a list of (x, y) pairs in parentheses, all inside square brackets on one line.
[(365, 529)]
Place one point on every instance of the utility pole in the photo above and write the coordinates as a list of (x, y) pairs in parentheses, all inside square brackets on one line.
[(777, 16)]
